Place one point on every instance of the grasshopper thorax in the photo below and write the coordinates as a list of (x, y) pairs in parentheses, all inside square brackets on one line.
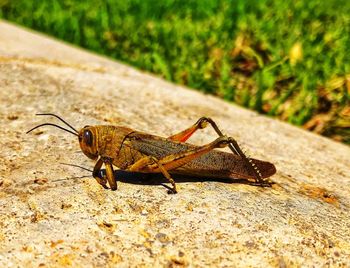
[(88, 141)]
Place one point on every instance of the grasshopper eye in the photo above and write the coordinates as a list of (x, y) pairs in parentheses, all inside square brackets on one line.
[(88, 138)]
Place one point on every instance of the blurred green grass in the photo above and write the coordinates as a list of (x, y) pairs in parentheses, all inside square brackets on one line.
[(289, 59)]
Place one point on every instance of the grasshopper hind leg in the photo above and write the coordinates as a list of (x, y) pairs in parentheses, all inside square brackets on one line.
[(150, 164), (233, 145), (201, 124), (187, 133)]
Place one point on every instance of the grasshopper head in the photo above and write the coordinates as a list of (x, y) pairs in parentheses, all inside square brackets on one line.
[(88, 141)]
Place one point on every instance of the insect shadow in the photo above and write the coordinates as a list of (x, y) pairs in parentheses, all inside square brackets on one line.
[(157, 178)]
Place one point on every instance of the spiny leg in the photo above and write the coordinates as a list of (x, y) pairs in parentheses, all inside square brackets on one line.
[(233, 145), (173, 161)]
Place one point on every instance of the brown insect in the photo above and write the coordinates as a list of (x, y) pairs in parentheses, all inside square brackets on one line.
[(136, 151)]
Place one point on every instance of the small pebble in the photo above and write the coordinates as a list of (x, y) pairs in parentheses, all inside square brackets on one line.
[(144, 212), (12, 117), (40, 181)]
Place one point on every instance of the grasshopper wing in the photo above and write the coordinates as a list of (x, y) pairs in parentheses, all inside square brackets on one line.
[(212, 164)]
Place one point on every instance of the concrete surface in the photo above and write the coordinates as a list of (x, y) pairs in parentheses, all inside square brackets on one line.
[(48, 218)]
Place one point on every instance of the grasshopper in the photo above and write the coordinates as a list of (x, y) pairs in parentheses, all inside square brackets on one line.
[(136, 151)]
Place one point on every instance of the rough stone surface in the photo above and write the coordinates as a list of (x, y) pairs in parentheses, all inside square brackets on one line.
[(46, 220)]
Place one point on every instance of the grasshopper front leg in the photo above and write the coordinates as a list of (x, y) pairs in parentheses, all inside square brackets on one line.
[(145, 164), (152, 165), (109, 173), (102, 181), (233, 145)]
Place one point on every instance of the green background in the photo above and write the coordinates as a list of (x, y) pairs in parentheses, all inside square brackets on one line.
[(289, 59)]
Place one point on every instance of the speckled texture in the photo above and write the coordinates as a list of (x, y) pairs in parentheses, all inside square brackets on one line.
[(45, 220)]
